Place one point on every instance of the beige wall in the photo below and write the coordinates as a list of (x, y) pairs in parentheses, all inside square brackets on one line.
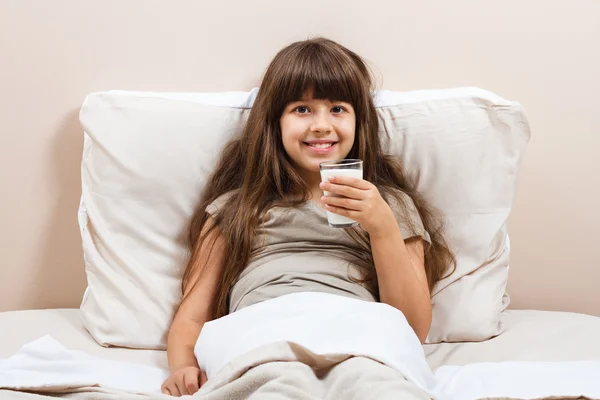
[(541, 53)]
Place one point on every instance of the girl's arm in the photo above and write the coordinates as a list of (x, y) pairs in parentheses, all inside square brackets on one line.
[(195, 309), (401, 277), (400, 266)]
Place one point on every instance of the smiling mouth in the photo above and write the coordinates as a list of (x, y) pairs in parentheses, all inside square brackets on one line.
[(324, 145)]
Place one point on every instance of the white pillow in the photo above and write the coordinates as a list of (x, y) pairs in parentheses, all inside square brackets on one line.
[(147, 157), (462, 149)]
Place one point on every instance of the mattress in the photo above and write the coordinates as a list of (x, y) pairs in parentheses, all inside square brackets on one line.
[(529, 336), (20, 327)]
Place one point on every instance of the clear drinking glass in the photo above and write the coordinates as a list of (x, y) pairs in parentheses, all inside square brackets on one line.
[(353, 168)]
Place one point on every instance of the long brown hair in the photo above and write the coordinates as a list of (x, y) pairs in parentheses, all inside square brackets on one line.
[(257, 172)]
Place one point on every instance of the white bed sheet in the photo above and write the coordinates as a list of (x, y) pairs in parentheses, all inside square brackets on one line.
[(529, 335)]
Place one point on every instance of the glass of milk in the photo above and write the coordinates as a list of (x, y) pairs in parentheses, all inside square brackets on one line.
[(353, 168)]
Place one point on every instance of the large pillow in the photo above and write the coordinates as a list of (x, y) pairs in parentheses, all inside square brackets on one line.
[(147, 157), (462, 149)]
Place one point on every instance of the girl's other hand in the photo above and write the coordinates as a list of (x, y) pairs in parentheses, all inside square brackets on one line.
[(184, 381), (360, 201)]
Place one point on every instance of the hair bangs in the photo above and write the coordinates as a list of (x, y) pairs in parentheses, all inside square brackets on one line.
[(321, 73)]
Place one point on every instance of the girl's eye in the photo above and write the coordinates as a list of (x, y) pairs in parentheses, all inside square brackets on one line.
[(301, 109), (338, 109)]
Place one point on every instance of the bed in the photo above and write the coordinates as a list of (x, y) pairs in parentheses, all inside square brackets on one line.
[(132, 215), (529, 336)]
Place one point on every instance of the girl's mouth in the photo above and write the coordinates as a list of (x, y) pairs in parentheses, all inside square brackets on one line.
[(321, 146)]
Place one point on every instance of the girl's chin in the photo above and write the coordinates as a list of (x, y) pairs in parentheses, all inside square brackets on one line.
[(314, 166), (311, 166)]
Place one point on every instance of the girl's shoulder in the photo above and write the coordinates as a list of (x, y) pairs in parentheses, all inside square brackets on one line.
[(216, 205), (399, 201), (407, 214)]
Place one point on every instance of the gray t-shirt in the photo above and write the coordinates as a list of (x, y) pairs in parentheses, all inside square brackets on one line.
[(295, 250)]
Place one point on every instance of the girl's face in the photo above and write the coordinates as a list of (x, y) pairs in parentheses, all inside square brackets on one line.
[(315, 130)]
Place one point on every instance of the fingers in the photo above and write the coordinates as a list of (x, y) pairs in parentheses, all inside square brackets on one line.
[(343, 202), (343, 212), (190, 381), (185, 381), (165, 390), (203, 378), (170, 388), (350, 181), (181, 387), (343, 190)]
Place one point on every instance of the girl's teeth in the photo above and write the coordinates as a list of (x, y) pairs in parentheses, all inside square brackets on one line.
[(321, 145)]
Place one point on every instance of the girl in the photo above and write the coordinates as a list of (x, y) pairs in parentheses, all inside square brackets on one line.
[(261, 228)]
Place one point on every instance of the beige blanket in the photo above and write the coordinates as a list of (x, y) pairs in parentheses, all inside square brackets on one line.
[(310, 378), (356, 378)]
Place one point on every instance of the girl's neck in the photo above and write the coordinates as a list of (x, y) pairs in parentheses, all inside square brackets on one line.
[(313, 181)]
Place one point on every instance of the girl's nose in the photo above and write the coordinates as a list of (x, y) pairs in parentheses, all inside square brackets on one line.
[(321, 123)]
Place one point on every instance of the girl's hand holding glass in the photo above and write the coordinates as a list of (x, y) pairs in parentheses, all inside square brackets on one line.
[(361, 202)]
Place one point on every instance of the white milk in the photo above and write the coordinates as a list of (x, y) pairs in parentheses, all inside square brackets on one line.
[(335, 219)]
